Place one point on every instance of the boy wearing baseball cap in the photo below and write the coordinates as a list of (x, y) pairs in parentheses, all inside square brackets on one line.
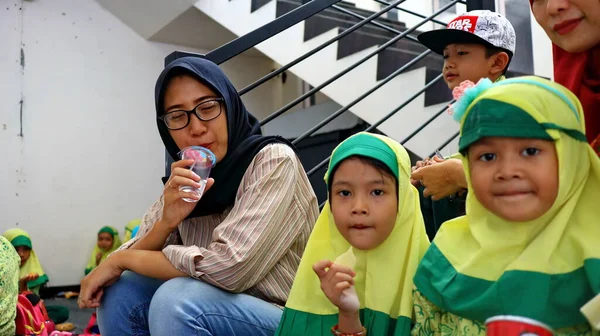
[(475, 45), (478, 44)]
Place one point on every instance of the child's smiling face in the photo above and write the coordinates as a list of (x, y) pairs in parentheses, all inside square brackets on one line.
[(516, 179), (364, 203)]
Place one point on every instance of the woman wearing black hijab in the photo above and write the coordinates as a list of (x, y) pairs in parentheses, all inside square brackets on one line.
[(223, 265)]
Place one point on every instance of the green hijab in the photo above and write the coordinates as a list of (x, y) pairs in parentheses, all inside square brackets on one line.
[(115, 245), (384, 274), (129, 229), (481, 265), (18, 237)]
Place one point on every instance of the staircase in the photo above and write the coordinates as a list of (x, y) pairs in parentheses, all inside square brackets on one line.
[(376, 60)]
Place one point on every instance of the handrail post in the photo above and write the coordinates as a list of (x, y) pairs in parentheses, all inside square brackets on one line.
[(481, 4)]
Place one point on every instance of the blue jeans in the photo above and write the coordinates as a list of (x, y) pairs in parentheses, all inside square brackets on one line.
[(138, 305)]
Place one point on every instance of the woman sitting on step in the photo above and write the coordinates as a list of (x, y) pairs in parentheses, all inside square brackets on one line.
[(223, 265)]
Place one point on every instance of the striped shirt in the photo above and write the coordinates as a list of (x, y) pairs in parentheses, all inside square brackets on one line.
[(255, 246)]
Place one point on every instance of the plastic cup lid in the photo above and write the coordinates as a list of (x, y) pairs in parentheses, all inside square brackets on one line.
[(199, 154)]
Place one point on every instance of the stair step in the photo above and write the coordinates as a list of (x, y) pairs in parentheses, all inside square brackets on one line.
[(257, 4), (389, 60), (301, 39)]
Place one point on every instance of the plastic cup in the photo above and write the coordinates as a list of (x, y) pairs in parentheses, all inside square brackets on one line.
[(204, 160)]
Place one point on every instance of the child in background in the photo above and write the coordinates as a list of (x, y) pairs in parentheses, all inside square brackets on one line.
[(528, 245), (478, 44), (9, 286), (373, 213), (135, 231), (31, 273), (129, 229), (108, 242), (475, 45)]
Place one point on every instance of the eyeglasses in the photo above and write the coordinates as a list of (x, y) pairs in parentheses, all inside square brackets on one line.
[(205, 111)]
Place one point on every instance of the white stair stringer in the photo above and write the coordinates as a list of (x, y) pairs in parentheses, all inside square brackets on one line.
[(283, 48)]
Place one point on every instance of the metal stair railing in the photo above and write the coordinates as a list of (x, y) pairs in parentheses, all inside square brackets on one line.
[(352, 67), (318, 88), (414, 13), (314, 51), (250, 40), (382, 26), (314, 7)]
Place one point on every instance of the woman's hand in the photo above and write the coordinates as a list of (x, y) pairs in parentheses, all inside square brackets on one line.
[(441, 179), (175, 209), (92, 286), (424, 163), (335, 279)]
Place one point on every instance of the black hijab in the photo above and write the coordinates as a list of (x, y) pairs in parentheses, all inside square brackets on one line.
[(245, 139)]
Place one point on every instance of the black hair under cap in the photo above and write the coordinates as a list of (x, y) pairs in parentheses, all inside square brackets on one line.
[(245, 139)]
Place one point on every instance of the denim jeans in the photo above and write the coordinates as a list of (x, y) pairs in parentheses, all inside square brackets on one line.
[(138, 305)]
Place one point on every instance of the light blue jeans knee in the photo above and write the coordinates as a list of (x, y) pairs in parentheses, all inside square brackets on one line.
[(138, 305)]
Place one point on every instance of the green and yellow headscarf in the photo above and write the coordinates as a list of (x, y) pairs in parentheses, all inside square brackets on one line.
[(18, 237), (129, 229), (116, 244), (383, 279), (480, 265)]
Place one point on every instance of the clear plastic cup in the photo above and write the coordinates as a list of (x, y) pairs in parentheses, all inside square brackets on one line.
[(204, 160)]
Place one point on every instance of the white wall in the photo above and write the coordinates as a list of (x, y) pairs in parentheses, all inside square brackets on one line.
[(367, 4), (90, 154), (542, 51)]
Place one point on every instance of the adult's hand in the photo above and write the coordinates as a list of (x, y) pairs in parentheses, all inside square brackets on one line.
[(175, 209), (92, 286), (441, 179), (419, 164), (424, 163)]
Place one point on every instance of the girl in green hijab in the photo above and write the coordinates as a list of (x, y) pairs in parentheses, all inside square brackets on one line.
[(356, 272), (31, 273), (529, 243), (107, 242), (129, 228)]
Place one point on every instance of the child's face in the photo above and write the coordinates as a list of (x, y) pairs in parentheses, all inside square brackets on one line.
[(24, 253), (466, 62), (516, 179), (573, 25), (364, 203), (105, 241)]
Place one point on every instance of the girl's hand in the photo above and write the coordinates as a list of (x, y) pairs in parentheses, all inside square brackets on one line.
[(335, 279), (24, 280), (92, 286), (175, 209), (31, 276), (98, 258)]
